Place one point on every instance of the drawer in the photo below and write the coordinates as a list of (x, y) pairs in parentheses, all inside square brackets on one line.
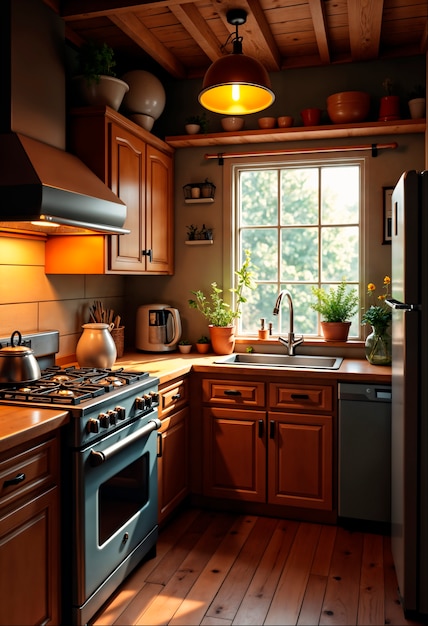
[(27, 471), (173, 397), (314, 397), (234, 392)]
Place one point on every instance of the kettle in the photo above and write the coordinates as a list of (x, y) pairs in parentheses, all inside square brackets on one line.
[(158, 328)]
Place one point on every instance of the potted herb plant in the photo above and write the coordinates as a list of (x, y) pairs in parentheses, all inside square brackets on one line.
[(184, 346), (389, 105), (203, 344), (336, 306), (96, 81), (196, 123), (219, 314)]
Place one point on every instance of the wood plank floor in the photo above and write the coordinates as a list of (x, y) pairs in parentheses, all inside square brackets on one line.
[(216, 568)]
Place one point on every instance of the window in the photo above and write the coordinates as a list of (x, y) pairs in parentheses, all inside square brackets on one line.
[(302, 223)]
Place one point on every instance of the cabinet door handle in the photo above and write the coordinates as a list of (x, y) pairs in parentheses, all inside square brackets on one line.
[(299, 396), (176, 396), (148, 253), (160, 445), (272, 429), (19, 478), (261, 428), (232, 392)]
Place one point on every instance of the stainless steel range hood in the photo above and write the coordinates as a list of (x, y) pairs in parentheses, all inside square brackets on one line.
[(43, 188)]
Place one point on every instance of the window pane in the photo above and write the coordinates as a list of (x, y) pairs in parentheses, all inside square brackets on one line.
[(340, 195), (299, 196), (259, 197), (260, 304), (305, 319), (340, 257), (263, 244), (299, 258)]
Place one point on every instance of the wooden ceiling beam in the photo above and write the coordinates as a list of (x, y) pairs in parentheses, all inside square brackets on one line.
[(135, 29), (73, 10), (320, 27), (198, 29), (365, 23)]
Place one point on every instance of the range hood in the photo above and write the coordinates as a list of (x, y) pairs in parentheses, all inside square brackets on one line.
[(43, 188)]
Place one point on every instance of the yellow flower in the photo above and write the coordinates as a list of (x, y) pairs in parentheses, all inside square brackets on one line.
[(371, 287), (387, 280)]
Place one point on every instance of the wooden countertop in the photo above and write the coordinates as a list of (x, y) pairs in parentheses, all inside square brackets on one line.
[(22, 424), (169, 365)]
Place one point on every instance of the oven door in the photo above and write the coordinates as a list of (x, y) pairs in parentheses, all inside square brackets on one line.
[(115, 520)]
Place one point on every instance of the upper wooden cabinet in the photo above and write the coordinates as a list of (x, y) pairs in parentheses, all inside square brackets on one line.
[(138, 167)]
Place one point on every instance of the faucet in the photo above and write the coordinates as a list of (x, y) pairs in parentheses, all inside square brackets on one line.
[(291, 342)]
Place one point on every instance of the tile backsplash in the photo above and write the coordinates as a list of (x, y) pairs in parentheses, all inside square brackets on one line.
[(31, 300)]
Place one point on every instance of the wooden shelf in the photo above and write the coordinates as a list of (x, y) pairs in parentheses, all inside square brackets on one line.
[(300, 133), (199, 242), (198, 200)]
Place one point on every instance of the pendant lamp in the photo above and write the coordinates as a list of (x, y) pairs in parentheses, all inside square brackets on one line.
[(236, 84)]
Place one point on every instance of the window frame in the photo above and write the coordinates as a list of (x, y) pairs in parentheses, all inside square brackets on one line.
[(230, 199)]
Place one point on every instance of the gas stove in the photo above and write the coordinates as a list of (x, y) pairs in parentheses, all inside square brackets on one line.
[(100, 401)]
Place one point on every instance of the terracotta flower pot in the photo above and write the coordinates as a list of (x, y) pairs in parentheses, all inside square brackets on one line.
[(222, 339), (203, 348), (335, 331), (389, 108)]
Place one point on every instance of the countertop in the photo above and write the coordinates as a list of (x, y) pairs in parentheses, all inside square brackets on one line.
[(21, 424)]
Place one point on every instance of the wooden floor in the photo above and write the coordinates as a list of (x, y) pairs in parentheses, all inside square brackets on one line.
[(219, 569)]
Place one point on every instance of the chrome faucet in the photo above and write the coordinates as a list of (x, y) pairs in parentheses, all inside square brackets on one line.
[(291, 342)]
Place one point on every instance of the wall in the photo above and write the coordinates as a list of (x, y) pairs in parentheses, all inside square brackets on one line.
[(30, 300)]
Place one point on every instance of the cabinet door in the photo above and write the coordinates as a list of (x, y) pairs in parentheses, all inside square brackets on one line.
[(159, 213), (173, 477), (300, 460), (128, 181), (29, 557), (234, 454)]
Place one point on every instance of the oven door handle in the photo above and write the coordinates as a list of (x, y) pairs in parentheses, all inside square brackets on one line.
[(97, 457)]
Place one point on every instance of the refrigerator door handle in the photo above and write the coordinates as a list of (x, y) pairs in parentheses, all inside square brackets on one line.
[(397, 305)]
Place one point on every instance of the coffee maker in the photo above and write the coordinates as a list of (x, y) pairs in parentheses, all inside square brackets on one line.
[(158, 328)]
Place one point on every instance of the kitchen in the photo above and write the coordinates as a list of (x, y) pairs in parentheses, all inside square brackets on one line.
[(31, 300)]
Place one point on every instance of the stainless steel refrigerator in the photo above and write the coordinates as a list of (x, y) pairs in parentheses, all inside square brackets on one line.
[(409, 428)]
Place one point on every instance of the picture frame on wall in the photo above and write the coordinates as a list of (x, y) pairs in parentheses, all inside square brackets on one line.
[(387, 215)]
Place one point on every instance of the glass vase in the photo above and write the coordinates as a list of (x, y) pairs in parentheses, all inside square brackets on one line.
[(378, 347)]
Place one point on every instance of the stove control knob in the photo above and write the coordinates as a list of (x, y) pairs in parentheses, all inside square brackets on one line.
[(104, 420), (147, 400), (155, 396), (93, 426), (139, 403), (113, 417), (121, 412)]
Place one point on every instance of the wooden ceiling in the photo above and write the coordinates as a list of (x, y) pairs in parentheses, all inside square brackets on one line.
[(185, 36)]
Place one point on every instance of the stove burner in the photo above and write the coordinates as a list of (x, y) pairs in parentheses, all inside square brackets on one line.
[(61, 378), (64, 392), (112, 380)]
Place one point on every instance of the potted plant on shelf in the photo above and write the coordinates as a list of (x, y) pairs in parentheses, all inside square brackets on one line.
[(184, 346), (219, 314), (336, 307), (378, 342), (96, 81), (389, 105), (417, 102), (196, 123)]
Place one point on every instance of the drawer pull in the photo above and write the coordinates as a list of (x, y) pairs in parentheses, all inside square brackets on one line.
[(232, 392), (299, 396), (176, 396), (272, 429), (261, 428), (14, 481)]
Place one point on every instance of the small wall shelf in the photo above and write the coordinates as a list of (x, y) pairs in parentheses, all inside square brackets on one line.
[(199, 242), (199, 200)]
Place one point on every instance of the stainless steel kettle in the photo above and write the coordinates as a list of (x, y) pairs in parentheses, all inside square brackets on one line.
[(18, 363), (158, 328)]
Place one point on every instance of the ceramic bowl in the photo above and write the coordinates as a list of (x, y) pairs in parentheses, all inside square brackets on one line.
[(231, 124), (285, 121), (267, 122), (145, 121), (348, 106)]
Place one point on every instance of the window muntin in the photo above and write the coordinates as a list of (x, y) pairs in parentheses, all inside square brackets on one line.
[(303, 223)]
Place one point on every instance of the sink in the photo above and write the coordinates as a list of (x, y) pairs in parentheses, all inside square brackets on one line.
[(282, 360)]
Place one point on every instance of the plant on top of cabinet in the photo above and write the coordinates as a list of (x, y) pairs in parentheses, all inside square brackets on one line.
[(97, 83), (336, 307), (196, 123)]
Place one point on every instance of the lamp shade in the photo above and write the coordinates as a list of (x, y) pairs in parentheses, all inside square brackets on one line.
[(236, 84)]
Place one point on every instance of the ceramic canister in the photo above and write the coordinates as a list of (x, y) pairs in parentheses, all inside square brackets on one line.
[(96, 347)]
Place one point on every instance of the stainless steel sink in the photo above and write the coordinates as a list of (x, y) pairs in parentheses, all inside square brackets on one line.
[(282, 360)]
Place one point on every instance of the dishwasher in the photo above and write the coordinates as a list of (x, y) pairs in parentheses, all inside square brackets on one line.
[(365, 452)]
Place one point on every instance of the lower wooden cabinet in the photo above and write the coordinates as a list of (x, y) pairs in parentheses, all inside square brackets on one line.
[(29, 535), (173, 461), (276, 456)]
